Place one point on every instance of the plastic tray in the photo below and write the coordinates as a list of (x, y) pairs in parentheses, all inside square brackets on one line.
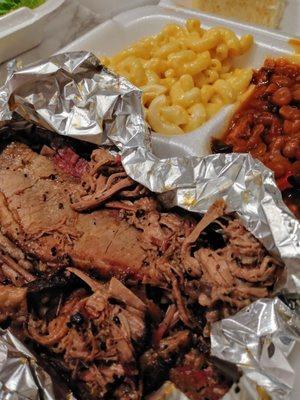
[(120, 31), (22, 29), (289, 22)]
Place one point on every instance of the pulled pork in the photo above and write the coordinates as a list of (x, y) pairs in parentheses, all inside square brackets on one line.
[(95, 337), (151, 281), (105, 178)]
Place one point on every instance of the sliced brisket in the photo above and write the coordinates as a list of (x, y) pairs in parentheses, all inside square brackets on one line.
[(36, 213)]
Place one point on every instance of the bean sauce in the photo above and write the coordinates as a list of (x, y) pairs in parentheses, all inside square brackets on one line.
[(268, 126)]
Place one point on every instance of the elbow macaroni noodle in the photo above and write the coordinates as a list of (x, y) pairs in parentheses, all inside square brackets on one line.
[(185, 73)]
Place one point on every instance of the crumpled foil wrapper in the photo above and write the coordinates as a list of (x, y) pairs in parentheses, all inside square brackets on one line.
[(20, 375), (73, 95), (258, 339)]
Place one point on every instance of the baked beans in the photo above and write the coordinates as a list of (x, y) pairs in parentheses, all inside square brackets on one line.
[(268, 126)]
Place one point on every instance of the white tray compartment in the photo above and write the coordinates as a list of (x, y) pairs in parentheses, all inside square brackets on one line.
[(128, 27), (22, 29), (108, 8), (289, 22)]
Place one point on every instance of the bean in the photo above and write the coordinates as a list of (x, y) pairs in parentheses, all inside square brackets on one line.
[(278, 168), (290, 149), (276, 145), (291, 127), (259, 105), (281, 80), (266, 118), (296, 94), (282, 96), (288, 112), (271, 88)]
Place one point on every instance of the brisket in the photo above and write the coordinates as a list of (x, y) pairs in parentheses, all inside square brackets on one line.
[(36, 213)]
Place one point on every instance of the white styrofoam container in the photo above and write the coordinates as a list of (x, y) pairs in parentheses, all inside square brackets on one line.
[(22, 29), (128, 27), (108, 8), (290, 22)]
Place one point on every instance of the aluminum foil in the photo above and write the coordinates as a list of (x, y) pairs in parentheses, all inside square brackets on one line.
[(243, 390), (20, 376), (73, 95), (258, 339)]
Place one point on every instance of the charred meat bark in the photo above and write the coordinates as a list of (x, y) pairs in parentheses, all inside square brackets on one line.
[(96, 336), (157, 362)]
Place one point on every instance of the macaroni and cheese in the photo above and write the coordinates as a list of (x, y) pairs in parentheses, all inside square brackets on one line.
[(186, 74)]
